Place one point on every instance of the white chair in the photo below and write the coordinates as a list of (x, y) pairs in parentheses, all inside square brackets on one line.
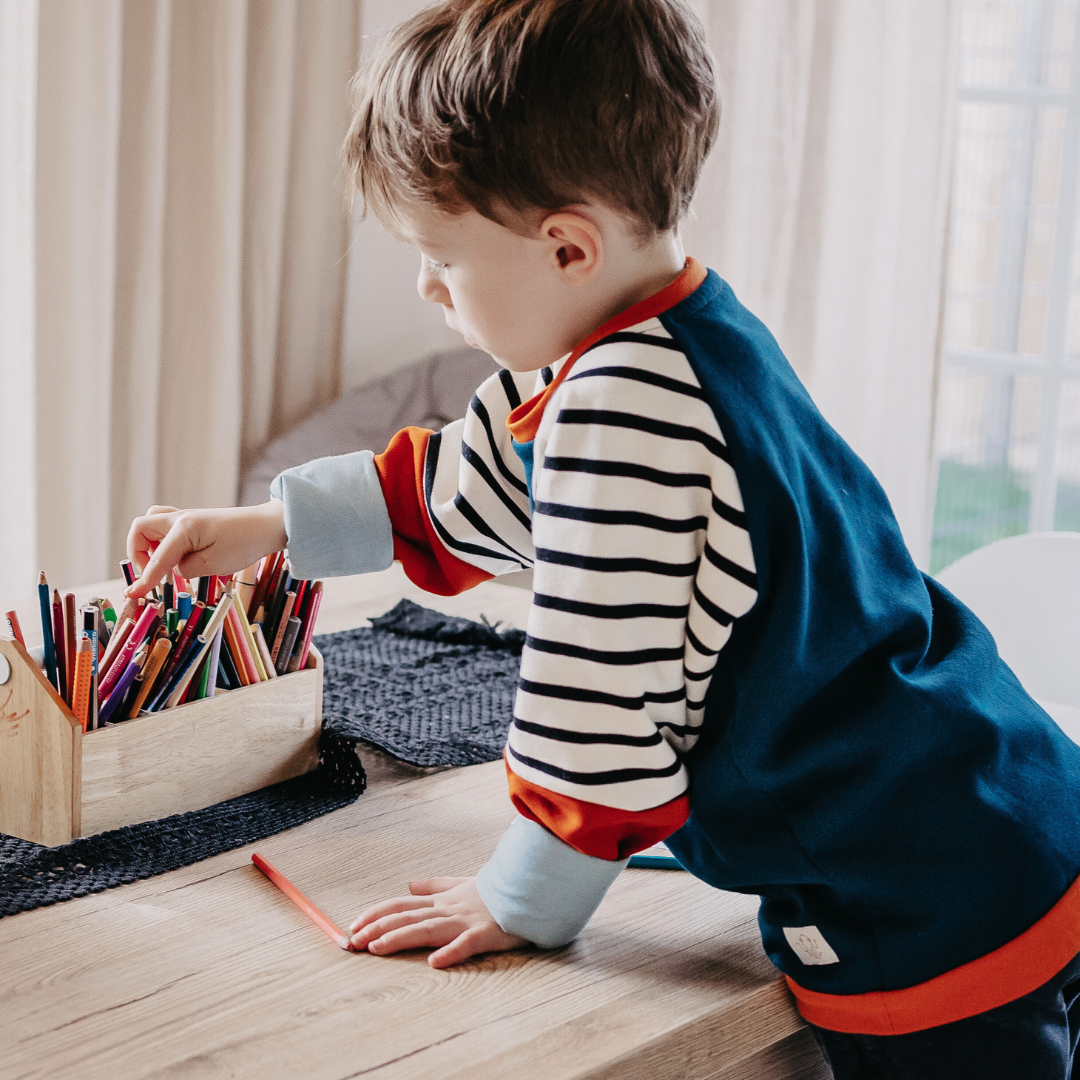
[(1026, 589)]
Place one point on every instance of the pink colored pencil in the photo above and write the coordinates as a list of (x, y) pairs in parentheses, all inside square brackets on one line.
[(123, 657), (303, 903)]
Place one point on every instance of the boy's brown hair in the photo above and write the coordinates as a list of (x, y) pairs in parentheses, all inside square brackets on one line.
[(537, 104)]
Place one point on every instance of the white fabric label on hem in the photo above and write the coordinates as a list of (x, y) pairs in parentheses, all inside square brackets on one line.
[(810, 946)]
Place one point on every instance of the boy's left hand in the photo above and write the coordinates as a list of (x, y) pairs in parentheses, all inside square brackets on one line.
[(442, 913)]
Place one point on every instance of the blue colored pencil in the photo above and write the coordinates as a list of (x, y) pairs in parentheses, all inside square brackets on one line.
[(46, 629)]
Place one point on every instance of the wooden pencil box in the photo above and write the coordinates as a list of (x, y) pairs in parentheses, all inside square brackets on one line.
[(57, 783)]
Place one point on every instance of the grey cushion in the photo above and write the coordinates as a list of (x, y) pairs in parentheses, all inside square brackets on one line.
[(429, 394)]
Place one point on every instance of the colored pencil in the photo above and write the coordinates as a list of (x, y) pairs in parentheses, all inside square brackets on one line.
[(184, 604), (213, 665), (46, 628), (264, 652), (101, 623), (283, 622), (89, 628), (116, 643), (241, 650), (148, 675), (292, 632), (280, 570), (60, 645), (70, 637), (228, 679), (183, 642), (169, 589), (262, 583), (309, 628), (128, 568), (249, 634), (83, 662), (303, 903), (205, 643), (131, 610), (275, 604), (246, 581), (204, 588), (138, 635), (14, 628), (119, 692)]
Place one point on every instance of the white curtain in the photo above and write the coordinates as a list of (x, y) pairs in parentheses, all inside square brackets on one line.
[(170, 188), (178, 164), (18, 81), (825, 206)]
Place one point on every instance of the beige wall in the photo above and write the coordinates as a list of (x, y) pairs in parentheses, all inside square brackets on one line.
[(386, 325)]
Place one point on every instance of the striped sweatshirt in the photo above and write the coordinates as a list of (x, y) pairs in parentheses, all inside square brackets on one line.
[(770, 685)]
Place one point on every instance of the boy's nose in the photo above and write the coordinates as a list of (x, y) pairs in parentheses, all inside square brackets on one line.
[(432, 289)]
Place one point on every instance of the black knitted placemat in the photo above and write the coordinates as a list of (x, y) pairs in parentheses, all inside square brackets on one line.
[(32, 876), (431, 689)]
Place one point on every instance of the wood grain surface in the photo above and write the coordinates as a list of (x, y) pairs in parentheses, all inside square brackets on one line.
[(202, 753), (39, 748), (210, 972)]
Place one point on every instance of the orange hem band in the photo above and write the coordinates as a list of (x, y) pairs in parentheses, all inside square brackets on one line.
[(1016, 968), (524, 421)]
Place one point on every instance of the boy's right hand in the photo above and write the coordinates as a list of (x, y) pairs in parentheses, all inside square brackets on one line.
[(198, 542)]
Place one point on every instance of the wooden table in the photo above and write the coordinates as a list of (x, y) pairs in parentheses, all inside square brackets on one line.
[(209, 972)]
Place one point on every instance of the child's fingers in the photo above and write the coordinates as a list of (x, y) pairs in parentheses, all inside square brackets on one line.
[(434, 885), (387, 923), (389, 907), (473, 941), (428, 934), (176, 543)]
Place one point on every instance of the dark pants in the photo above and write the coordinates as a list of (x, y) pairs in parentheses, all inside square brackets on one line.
[(1032, 1038)]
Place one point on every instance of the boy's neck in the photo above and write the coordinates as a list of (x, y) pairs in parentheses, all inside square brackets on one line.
[(634, 270)]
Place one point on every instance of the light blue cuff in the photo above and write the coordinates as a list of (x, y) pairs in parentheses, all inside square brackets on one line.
[(335, 516), (541, 889)]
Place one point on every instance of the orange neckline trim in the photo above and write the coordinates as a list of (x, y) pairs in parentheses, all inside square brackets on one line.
[(524, 421), (1017, 968)]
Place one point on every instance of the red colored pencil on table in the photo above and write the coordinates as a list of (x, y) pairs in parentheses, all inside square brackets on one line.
[(303, 903)]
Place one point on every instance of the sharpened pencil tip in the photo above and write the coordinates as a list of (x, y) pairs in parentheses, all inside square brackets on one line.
[(42, 579)]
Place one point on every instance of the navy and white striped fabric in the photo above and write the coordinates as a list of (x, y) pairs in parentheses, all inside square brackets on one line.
[(641, 557)]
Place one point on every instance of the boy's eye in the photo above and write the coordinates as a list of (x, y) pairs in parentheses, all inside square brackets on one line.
[(435, 267)]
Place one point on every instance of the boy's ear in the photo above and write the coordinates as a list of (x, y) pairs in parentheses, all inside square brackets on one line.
[(575, 243)]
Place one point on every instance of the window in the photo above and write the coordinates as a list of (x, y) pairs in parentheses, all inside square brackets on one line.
[(1008, 425)]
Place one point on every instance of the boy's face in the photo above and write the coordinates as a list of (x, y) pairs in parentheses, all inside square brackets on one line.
[(506, 293)]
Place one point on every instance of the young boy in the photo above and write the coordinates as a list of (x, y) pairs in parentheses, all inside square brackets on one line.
[(729, 646)]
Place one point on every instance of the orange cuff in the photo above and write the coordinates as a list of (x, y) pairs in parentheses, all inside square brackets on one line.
[(416, 544), (600, 831)]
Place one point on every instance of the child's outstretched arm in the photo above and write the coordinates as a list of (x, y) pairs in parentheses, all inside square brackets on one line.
[(198, 542)]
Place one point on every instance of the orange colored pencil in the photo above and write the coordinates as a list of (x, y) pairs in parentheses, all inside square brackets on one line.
[(238, 646), (84, 666), (16, 629), (303, 903)]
